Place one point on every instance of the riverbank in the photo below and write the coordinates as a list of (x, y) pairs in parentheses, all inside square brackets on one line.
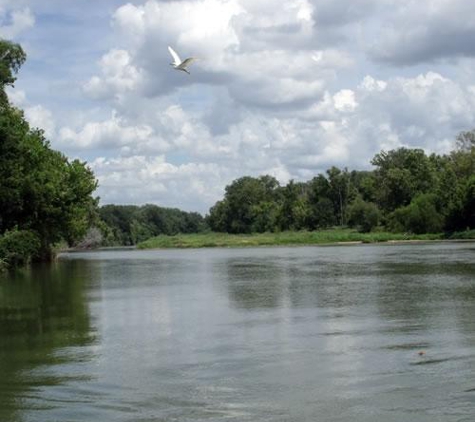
[(335, 236)]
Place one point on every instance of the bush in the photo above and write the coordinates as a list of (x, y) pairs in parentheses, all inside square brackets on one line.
[(363, 215), (18, 247), (420, 216)]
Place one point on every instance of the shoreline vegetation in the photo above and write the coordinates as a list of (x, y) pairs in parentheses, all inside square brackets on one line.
[(293, 238)]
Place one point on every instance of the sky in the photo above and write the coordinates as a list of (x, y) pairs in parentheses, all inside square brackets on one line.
[(285, 88)]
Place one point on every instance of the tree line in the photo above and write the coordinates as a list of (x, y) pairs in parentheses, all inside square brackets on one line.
[(408, 191), (131, 224)]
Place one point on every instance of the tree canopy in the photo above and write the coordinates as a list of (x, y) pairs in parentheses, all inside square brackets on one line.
[(41, 190), (407, 191)]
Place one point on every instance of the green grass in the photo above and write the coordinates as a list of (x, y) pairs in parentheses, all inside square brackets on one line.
[(465, 235), (207, 240)]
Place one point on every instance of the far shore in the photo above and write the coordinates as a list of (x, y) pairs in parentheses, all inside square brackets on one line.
[(294, 238)]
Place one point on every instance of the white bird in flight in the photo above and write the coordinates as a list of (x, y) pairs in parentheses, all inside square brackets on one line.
[(177, 63)]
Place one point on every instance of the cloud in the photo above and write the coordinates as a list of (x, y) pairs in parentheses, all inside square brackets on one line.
[(37, 115), (42, 118), (132, 179), (119, 76), (257, 50), (418, 32), (287, 89), (14, 22)]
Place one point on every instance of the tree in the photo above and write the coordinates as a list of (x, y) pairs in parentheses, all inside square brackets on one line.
[(420, 216), (40, 189), (12, 58), (365, 184), (321, 211), (402, 174), (218, 216), (363, 215), (243, 208), (339, 193), (322, 214), (294, 210), (469, 203), (130, 224)]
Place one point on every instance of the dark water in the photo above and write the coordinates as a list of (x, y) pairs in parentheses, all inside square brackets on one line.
[(267, 334)]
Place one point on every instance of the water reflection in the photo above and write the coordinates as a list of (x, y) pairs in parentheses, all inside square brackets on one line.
[(242, 335), (43, 312), (255, 284)]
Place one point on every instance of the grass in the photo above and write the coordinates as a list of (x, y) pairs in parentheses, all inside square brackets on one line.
[(465, 235), (208, 240)]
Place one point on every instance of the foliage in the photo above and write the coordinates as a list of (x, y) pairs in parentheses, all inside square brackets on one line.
[(18, 247), (465, 235), (363, 215), (320, 237), (408, 191), (130, 224), (248, 206), (12, 57), (41, 191), (400, 175), (420, 216)]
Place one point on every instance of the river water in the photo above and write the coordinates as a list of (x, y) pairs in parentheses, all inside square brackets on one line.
[(262, 334)]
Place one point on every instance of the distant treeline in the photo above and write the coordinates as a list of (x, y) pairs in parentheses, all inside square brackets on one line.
[(408, 191), (130, 224)]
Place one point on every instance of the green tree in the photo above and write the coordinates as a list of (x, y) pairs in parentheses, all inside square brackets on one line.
[(218, 217), (294, 209), (243, 204), (469, 203), (402, 174), (340, 192), (12, 58), (40, 189), (322, 214), (363, 215), (420, 216)]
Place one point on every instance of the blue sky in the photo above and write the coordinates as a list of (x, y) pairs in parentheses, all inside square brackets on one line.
[(281, 88)]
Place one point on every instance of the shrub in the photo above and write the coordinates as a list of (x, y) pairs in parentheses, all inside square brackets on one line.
[(420, 216), (18, 247), (363, 215)]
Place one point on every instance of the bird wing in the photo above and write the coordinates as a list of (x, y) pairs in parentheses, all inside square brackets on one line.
[(187, 61), (176, 58)]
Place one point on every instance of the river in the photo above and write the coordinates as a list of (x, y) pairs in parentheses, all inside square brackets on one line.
[(357, 333)]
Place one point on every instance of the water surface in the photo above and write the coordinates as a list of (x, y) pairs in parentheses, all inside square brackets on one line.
[(261, 334)]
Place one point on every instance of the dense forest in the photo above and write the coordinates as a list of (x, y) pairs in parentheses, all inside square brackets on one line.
[(408, 191)]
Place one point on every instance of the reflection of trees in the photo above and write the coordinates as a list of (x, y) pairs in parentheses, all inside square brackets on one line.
[(41, 310), (317, 283), (259, 284), (418, 293), (464, 294), (404, 292), (330, 284)]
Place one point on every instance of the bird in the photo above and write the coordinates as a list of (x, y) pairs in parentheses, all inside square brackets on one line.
[(178, 64)]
